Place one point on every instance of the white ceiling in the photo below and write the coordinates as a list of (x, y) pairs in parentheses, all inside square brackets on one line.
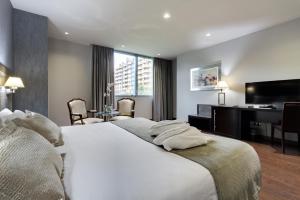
[(139, 25)]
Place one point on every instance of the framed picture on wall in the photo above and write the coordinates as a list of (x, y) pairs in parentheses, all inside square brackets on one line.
[(205, 78)]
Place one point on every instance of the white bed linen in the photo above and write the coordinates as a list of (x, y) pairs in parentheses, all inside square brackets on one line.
[(105, 162)]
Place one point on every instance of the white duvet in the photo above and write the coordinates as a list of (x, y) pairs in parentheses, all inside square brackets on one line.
[(105, 162)]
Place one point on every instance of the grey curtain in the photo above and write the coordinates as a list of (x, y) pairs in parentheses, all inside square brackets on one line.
[(163, 90), (102, 74)]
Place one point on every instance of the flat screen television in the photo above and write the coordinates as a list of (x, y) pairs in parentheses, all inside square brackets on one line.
[(273, 92)]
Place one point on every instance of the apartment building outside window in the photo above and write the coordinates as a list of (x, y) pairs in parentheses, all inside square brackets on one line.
[(133, 75)]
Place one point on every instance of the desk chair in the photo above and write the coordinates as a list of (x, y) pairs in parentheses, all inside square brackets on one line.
[(290, 123)]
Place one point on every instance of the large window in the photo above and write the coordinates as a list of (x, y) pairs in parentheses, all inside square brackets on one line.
[(133, 75)]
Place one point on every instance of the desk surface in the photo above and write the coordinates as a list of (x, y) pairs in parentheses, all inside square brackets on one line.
[(202, 115), (250, 109)]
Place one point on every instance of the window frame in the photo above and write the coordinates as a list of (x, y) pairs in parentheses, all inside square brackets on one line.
[(136, 74)]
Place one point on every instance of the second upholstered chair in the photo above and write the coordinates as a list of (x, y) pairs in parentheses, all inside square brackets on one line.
[(79, 113), (125, 107)]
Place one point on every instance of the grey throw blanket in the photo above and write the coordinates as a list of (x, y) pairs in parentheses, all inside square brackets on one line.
[(233, 164)]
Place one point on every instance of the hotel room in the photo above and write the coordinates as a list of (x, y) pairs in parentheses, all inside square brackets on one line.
[(149, 100)]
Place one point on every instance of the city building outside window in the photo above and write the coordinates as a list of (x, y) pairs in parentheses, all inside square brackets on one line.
[(133, 75)]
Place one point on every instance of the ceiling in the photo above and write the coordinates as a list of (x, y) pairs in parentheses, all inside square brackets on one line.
[(140, 26)]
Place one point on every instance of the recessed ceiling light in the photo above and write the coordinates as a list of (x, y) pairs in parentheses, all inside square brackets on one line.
[(158, 54), (122, 45), (207, 34), (167, 15), (67, 33)]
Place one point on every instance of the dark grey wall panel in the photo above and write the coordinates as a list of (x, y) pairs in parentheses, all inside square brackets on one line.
[(30, 42), (6, 49)]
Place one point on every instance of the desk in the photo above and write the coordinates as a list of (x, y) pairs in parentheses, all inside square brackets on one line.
[(235, 121), (202, 122), (248, 115)]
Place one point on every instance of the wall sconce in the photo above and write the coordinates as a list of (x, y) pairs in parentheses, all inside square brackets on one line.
[(13, 83), (222, 85)]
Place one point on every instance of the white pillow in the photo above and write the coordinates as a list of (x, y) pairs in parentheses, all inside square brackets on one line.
[(19, 114), (7, 115), (163, 126), (42, 125), (188, 139), (171, 131), (5, 112)]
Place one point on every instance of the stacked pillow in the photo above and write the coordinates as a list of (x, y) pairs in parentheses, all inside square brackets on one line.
[(30, 166), (7, 114), (175, 134), (35, 122)]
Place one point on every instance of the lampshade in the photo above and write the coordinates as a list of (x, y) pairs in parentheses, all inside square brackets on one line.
[(222, 85), (14, 83)]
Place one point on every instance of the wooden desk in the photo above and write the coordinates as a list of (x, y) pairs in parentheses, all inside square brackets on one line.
[(202, 122), (234, 121)]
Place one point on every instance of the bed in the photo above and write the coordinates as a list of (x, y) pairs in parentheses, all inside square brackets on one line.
[(116, 161)]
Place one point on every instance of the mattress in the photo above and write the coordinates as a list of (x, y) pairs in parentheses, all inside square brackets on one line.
[(106, 162)]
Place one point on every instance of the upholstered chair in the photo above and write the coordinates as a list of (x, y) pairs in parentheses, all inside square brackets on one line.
[(125, 107), (79, 113)]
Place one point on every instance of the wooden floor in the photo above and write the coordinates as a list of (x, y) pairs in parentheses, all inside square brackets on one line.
[(280, 172)]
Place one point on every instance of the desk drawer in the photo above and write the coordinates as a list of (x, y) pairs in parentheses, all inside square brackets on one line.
[(225, 121)]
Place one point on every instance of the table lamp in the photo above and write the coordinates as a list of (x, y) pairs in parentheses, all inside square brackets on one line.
[(222, 85), (13, 83)]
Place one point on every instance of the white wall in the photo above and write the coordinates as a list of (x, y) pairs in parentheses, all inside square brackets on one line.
[(271, 54), (69, 76)]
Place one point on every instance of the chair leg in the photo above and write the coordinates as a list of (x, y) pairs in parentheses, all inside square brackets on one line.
[(299, 140), (283, 142), (272, 134)]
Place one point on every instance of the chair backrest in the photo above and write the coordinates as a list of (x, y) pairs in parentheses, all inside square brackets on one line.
[(291, 117), (125, 107), (77, 106)]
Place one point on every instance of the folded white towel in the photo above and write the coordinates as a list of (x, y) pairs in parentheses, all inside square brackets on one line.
[(170, 131), (163, 126), (187, 139)]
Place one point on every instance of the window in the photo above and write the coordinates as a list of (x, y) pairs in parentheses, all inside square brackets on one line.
[(133, 75), (125, 78), (145, 76)]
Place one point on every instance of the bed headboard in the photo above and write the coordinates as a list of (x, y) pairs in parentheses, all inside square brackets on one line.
[(5, 101)]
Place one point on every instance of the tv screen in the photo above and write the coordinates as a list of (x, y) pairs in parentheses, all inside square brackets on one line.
[(272, 92)]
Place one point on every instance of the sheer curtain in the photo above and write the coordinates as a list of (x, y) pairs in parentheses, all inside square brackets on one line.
[(163, 90), (102, 74)]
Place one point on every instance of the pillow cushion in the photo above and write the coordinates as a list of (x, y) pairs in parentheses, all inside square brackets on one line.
[(13, 115), (42, 125), (5, 112), (30, 166), (163, 126), (188, 139), (19, 114), (172, 131)]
